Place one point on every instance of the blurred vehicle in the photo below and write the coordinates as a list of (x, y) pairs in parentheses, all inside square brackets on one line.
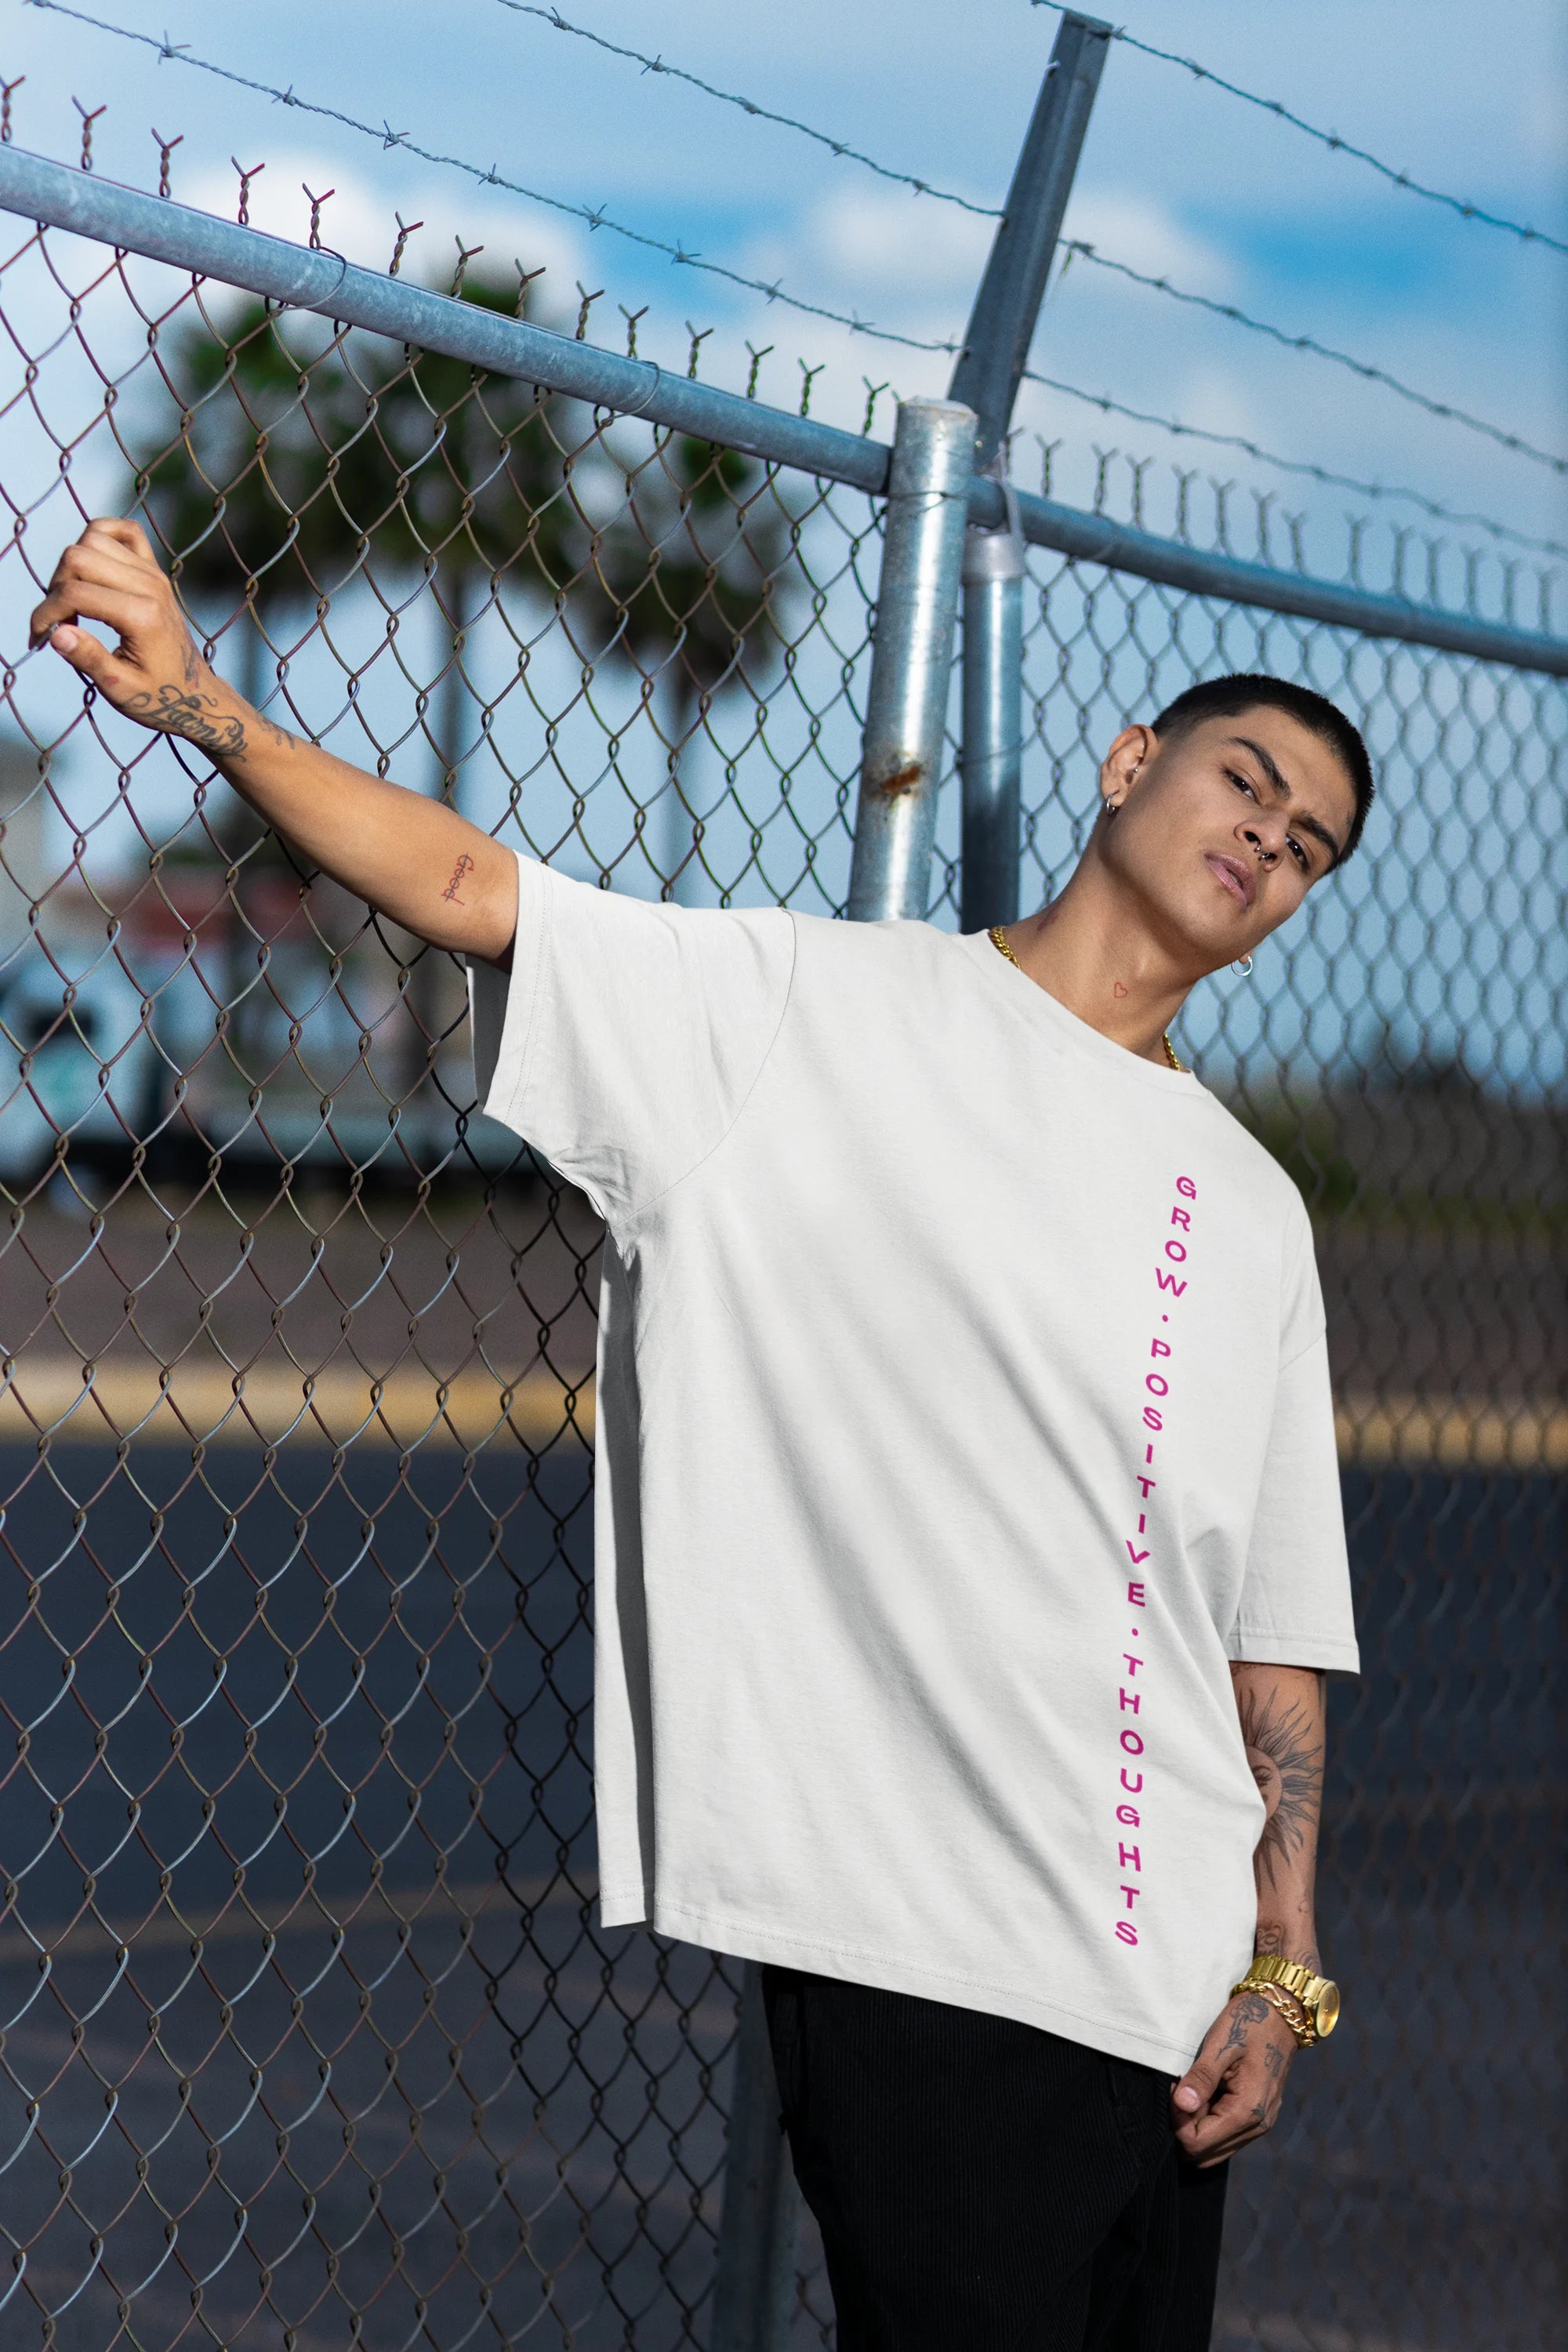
[(77, 1061)]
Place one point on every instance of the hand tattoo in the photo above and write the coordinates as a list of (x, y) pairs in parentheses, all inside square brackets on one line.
[(1286, 1761)]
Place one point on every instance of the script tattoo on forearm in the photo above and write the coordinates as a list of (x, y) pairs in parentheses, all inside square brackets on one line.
[(192, 716), (1285, 1750), (199, 719), (464, 865)]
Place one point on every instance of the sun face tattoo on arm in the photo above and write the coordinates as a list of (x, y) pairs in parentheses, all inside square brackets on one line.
[(1285, 1752)]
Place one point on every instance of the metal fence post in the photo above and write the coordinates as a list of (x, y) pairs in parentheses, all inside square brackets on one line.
[(754, 2284), (995, 349), (906, 711), (991, 760), (906, 703)]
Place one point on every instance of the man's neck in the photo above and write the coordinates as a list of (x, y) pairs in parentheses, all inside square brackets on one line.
[(1091, 952)]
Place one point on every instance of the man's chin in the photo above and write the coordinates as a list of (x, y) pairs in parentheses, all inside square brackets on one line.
[(1202, 945)]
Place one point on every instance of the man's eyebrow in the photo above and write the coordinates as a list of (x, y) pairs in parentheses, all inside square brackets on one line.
[(1282, 790)]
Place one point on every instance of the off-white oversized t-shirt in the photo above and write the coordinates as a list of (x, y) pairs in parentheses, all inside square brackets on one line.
[(963, 1409)]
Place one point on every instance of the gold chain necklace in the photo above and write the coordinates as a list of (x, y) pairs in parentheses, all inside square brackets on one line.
[(999, 941)]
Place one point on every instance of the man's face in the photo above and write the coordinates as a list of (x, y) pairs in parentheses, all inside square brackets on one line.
[(1225, 826)]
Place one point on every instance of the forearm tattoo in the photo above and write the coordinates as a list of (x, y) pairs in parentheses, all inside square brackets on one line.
[(194, 715), (1285, 1749)]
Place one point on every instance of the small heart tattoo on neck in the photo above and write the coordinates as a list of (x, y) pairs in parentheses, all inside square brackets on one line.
[(1117, 988)]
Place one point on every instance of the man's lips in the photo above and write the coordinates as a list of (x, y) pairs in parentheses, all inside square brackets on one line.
[(1234, 873)]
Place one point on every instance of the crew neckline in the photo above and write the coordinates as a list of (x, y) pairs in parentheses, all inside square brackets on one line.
[(1067, 1030)]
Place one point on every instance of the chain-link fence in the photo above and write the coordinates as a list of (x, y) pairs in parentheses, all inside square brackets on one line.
[(308, 2034)]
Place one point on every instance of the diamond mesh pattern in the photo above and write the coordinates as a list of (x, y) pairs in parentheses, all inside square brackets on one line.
[(309, 2035)]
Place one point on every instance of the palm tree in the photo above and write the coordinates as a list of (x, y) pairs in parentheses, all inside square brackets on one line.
[(694, 572), (293, 472), (304, 461)]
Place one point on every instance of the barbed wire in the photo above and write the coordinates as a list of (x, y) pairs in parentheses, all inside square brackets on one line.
[(596, 218), (1363, 368), (749, 106), (1332, 139), (179, 53), (1376, 490)]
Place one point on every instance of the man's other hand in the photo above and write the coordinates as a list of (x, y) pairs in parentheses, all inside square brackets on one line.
[(1231, 2092), (155, 675)]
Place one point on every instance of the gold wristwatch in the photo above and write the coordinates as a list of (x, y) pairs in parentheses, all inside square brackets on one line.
[(1317, 1998)]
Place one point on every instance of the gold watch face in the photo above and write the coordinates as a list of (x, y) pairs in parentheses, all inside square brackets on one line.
[(1327, 2011)]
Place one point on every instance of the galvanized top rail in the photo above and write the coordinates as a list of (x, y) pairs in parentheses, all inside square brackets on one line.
[(318, 279)]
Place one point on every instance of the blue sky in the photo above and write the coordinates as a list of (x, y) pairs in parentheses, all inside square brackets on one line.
[(1178, 178)]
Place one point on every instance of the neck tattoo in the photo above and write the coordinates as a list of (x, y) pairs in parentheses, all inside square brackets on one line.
[(1000, 942)]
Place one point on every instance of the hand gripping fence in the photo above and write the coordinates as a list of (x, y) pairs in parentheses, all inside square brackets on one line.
[(306, 2033)]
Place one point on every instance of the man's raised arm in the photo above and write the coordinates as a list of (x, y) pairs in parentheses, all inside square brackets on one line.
[(416, 860)]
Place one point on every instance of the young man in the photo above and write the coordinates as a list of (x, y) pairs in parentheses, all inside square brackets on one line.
[(970, 1553)]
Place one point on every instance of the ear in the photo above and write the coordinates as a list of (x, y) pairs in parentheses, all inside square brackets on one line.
[(1133, 750)]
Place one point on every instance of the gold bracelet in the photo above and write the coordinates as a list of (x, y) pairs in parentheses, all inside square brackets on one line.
[(1319, 1996), (1292, 2011)]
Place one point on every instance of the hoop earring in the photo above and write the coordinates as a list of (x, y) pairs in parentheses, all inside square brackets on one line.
[(1244, 968)]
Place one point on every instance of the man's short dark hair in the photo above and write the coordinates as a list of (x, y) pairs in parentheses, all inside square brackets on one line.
[(1227, 697)]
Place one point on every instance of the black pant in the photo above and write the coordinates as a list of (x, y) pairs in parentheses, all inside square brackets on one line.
[(986, 2187)]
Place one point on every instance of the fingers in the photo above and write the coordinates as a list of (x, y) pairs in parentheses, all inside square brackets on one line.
[(122, 610), (1239, 2103), (84, 652), (111, 554), (104, 560), (1232, 2147), (1198, 2086), (1231, 2093), (1233, 2119), (69, 601), (120, 533)]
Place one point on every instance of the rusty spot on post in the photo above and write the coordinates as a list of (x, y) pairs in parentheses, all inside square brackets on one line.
[(902, 780)]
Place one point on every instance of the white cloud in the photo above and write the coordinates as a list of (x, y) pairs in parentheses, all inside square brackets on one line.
[(1544, 121), (911, 266), (360, 221), (1140, 231), (1222, 399), (356, 221), (894, 261), (892, 246)]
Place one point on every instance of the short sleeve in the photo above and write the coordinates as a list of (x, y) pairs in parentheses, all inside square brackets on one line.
[(1295, 1605), (626, 1037)]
